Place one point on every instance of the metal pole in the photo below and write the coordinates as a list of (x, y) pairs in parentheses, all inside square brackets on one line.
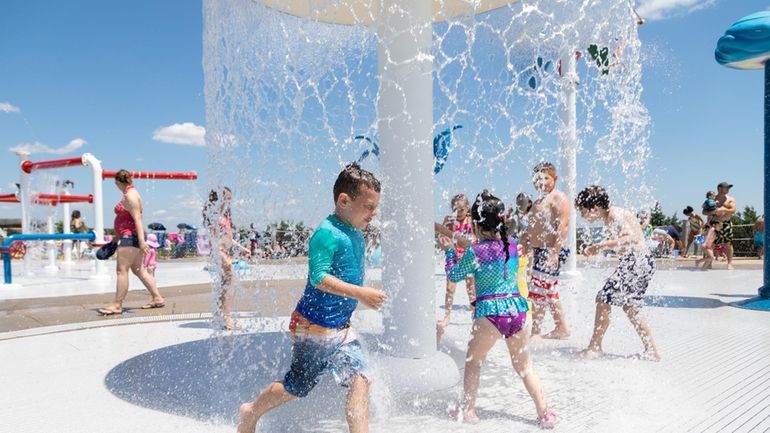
[(405, 111), (51, 268), (66, 220), (90, 160), (764, 291), (568, 149), (24, 198), (408, 355)]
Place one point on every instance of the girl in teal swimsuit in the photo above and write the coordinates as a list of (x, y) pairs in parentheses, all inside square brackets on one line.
[(500, 309)]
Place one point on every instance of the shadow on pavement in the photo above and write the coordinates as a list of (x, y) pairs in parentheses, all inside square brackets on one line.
[(665, 301)]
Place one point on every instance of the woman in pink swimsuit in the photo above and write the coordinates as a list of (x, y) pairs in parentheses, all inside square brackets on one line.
[(129, 235)]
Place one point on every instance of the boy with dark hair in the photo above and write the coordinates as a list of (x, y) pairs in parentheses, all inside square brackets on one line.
[(627, 286), (320, 324)]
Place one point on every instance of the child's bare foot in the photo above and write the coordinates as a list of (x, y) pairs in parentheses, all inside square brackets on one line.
[(468, 417), (648, 355), (247, 419), (558, 334), (730, 267), (535, 338), (589, 353)]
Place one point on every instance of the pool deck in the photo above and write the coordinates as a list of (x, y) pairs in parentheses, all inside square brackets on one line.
[(168, 370)]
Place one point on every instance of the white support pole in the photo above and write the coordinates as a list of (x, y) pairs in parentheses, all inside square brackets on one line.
[(569, 144), (51, 267), (24, 199), (406, 159), (405, 113), (96, 174), (66, 220)]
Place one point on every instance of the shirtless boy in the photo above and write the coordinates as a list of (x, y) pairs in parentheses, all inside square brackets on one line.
[(545, 237)]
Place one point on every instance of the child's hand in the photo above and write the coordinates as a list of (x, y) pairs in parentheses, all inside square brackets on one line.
[(591, 250), (445, 243), (449, 222), (372, 297)]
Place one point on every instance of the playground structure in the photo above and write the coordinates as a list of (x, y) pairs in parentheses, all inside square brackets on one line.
[(399, 34), (13, 247), (746, 45), (26, 198)]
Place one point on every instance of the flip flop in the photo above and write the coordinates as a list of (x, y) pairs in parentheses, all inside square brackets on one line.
[(153, 305), (106, 312)]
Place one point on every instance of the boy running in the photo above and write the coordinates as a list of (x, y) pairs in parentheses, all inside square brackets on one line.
[(320, 324)]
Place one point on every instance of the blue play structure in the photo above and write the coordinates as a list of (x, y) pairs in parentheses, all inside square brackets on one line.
[(746, 45), (441, 147), (5, 249)]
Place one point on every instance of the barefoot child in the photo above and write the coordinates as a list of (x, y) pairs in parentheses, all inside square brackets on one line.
[(548, 224), (627, 285), (320, 324), (459, 224), (500, 310)]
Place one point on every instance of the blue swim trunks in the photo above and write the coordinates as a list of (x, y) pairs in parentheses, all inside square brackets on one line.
[(317, 349)]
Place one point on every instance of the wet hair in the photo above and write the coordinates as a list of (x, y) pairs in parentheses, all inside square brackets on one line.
[(213, 200), (592, 197), (75, 214), (458, 198), (643, 216), (688, 210), (708, 193), (524, 198), (352, 179), (546, 167), (488, 212), (124, 176)]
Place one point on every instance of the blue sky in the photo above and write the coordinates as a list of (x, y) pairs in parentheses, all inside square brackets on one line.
[(124, 81)]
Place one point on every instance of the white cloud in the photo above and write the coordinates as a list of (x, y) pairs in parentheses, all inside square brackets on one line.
[(186, 133), (187, 202), (160, 212), (8, 108), (663, 9), (38, 147)]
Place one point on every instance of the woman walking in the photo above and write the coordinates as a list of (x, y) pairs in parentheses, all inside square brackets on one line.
[(129, 235)]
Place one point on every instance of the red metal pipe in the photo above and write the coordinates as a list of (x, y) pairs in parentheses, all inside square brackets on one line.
[(61, 198), (8, 198), (28, 166), (170, 175)]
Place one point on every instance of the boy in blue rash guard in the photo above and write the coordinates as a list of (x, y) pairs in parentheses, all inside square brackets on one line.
[(500, 311), (320, 325)]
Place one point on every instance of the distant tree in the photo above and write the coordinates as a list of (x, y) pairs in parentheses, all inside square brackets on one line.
[(673, 220), (59, 227), (749, 215), (737, 218), (657, 218)]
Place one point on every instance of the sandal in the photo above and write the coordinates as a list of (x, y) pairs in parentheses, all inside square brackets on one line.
[(108, 312), (547, 421), (153, 305)]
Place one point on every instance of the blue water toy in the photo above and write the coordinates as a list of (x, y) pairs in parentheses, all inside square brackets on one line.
[(746, 45), (441, 145)]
